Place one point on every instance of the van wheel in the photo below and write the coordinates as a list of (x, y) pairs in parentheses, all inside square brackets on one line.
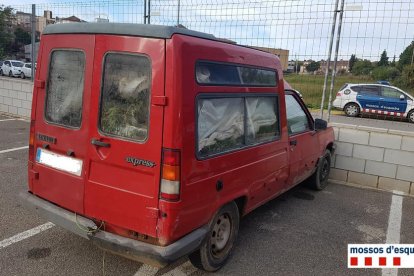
[(215, 249), (1, 73), (22, 75), (10, 74), (410, 116), (319, 180), (352, 110)]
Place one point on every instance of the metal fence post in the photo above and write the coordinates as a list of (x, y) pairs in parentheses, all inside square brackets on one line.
[(33, 53), (145, 11), (178, 13), (338, 38), (149, 11), (325, 83)]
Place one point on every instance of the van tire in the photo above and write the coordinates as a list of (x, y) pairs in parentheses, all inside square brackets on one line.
[(410, 116), (207, 257), (319, 180), (352, 110)]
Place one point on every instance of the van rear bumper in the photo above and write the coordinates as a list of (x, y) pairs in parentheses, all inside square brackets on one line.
[(129, 248)]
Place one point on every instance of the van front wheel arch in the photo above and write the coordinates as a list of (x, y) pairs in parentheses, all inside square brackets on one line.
[(216, 248), (319, 180)]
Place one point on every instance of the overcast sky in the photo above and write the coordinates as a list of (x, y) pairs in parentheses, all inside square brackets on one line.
[(302, 27)]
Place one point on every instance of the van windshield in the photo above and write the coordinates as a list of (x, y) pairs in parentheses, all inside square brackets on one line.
[(17, 64)]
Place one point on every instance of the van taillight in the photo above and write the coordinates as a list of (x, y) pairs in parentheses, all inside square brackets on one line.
[(170, 174), (338, 94), (31, 140)]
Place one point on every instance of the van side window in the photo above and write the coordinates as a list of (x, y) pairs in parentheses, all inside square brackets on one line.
[(223, 122), (220, 125), (262, 121), (211, 73), (65, 88), (125, 96), (296, 118)]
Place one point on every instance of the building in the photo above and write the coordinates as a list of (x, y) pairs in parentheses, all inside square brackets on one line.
[(281, 53), (341, 65), (24, 20), (70, 19), (28, 51), (101, 20), (43, 21)]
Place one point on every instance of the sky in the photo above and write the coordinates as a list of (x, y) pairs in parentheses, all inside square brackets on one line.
[(302, 27)]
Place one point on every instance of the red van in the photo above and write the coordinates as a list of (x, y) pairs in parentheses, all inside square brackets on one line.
[(153, 141)]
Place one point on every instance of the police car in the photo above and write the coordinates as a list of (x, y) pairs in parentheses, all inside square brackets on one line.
[(355, 99)]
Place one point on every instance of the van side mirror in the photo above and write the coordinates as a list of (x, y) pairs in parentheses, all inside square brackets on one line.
[(402, 98), (321, 124)]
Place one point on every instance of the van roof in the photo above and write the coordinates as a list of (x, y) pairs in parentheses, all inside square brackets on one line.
[(144, 30)]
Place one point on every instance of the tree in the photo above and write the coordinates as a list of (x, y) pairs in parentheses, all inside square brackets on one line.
[(352, 61), (406, 80), (406, 56), (22, 36), (362, 67), (393, 63), (313, 66), (6, 34), (384, 59)]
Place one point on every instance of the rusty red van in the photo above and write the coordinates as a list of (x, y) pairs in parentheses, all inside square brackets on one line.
[(153, 141)]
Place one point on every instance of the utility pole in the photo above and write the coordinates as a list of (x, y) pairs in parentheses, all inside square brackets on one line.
[(325, 83)]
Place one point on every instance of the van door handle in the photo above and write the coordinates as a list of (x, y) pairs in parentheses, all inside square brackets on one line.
[(98, 143), (293, 142)]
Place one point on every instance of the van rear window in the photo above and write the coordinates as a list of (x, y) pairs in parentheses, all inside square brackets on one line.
[(65, 88), (211, 73), (125, 96)]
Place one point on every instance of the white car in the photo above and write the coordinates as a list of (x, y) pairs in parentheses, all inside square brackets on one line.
[(355, 99), (26, 71), (11, 68)]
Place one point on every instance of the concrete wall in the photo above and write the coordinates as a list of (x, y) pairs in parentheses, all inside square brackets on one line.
[(16, 96), (374, 157)]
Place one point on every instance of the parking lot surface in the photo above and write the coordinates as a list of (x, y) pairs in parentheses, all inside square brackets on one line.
[(302, 232)]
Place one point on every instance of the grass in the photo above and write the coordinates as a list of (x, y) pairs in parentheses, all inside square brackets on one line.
[(311, 86)]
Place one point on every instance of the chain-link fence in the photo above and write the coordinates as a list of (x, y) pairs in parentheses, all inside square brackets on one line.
[(376, 37)]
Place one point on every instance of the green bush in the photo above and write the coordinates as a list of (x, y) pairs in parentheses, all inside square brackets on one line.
[(385, 73)]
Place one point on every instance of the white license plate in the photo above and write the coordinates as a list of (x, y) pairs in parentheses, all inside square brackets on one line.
[(60, 162)]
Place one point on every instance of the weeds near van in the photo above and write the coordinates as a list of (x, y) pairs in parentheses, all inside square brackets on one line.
[(126, 117)]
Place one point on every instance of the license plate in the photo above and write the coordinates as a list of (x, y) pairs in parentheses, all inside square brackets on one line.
[(59, 162)]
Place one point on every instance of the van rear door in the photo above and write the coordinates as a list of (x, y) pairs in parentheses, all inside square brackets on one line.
[(125, 134), (61, 124)]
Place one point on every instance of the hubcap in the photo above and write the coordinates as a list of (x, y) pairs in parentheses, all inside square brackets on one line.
[(412, 117), (220, 234), (351, 109)]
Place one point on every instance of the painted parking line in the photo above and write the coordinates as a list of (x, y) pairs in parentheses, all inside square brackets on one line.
[(182, 270), (14, 119), (26, 234), (146, 270), (14, 149), (394, 227)]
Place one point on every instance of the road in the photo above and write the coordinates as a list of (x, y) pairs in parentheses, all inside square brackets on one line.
[(302, 232)]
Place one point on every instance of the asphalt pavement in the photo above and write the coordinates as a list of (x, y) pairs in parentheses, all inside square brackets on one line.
[(302, 232)]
